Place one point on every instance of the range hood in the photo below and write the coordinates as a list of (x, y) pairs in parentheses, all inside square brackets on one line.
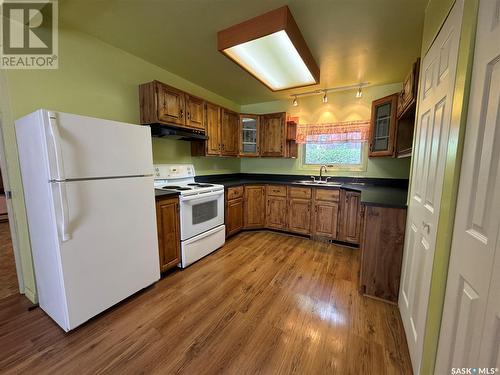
[(160, 130)]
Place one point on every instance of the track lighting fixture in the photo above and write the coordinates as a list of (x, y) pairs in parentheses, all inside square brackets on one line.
[(359, 93), (295, 103), (325, 98)]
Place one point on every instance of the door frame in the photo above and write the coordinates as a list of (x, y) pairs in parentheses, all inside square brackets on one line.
[(5, 116)]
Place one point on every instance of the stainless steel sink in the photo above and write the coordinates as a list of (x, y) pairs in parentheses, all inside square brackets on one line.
[(319, 183)]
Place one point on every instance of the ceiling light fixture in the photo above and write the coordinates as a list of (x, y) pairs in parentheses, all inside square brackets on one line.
[(271, 48), (324, 92), (295, 103)]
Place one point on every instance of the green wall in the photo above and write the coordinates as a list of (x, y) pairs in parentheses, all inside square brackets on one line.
[(341, 106), (93, 79)]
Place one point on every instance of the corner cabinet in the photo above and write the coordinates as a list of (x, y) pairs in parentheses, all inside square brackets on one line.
[(383, 126), (167, 217), (273, 134)]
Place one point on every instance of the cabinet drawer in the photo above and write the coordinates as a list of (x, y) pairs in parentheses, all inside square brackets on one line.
[(329, 195), (234, 192), (276, 190), (299, 192)]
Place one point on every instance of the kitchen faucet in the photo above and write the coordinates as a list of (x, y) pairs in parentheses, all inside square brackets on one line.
[(321, 172)]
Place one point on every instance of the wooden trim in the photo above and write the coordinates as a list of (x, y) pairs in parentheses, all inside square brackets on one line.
[(392, 125), (263, 25)]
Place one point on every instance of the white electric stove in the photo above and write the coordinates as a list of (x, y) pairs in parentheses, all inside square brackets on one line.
[(201, 210)]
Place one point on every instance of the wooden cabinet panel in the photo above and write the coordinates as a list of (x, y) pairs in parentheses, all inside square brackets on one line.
[(276, 190), (329, 195), (275, 212), (383, 126), (325, 221), (273, 135), (350, 225), (254, 206), (382, 252), (235, 192), (195, 112), (234, 216), (299, 192), (170, 105), (299, 215), (167, 216), (229, 133), (408, 95), (213, 126)]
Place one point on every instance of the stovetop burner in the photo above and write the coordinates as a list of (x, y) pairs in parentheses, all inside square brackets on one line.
[(183, 188), (172, 187)]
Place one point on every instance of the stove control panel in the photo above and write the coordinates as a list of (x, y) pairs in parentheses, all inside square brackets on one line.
[(173, 171)]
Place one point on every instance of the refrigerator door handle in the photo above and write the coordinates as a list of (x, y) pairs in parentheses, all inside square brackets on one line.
[(63, 202), (56, 140)]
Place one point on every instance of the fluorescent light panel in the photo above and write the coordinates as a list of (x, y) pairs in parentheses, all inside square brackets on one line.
[(274, 60)]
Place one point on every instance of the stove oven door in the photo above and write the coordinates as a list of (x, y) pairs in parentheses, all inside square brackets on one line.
[(201, 212)]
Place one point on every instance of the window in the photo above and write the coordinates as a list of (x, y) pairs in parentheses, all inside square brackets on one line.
[(341, 154), (339, 145)]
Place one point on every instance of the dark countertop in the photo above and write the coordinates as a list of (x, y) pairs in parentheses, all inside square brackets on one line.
[(166, 193), (374, 192)]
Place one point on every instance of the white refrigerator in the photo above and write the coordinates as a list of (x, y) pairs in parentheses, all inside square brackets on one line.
[(88, 190)]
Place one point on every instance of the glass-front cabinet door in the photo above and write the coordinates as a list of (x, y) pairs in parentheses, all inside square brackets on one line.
[(249, 135), (383, 126)]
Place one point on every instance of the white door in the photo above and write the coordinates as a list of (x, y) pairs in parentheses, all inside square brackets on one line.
[(470, 328), (432, 130), (81, 147), (112, 250)]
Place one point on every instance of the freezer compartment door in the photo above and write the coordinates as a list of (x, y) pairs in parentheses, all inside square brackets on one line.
[(109, 247), (84, 147)]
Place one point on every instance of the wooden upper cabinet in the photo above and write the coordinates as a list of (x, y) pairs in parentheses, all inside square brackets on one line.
[(195, 112), (229, 133), (383, 126), (167, 217), (213, 126), (350, 224), (273, 134), (254, 206), (171, 105), (249, 137), (408, 96)]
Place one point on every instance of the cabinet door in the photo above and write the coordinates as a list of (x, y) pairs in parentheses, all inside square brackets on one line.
[(276, 212), (383, 126), (234, 216), (170, 105), (273, 135), (254, 206), (229, 133), (195, 112), (249, 135), (299, 215), (350, 226), (325, 221), (213, 123), (167, 217)]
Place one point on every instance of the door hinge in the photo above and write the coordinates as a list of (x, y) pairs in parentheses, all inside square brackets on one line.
[(8, 194)]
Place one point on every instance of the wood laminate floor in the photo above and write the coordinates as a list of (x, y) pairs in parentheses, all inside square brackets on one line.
[(266, 303), (8, 278)]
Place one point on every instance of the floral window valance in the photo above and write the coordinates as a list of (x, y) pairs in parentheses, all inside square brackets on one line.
[(346, 131)]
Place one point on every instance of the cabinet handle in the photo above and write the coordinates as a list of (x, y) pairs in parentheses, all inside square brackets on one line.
[(181, 113), (189, 116), (223, 146)]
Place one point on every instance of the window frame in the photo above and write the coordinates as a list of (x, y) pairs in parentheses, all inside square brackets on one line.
[(362, 167)]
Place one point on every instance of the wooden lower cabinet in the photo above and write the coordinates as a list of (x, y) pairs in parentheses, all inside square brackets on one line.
[(350, 217), (234, 216), (169, 245), (325, 220), (254, 213), (299, 215), (382, 252), (276, 212)]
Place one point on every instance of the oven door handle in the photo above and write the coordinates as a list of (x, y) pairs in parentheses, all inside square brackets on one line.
[(201, 197)]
